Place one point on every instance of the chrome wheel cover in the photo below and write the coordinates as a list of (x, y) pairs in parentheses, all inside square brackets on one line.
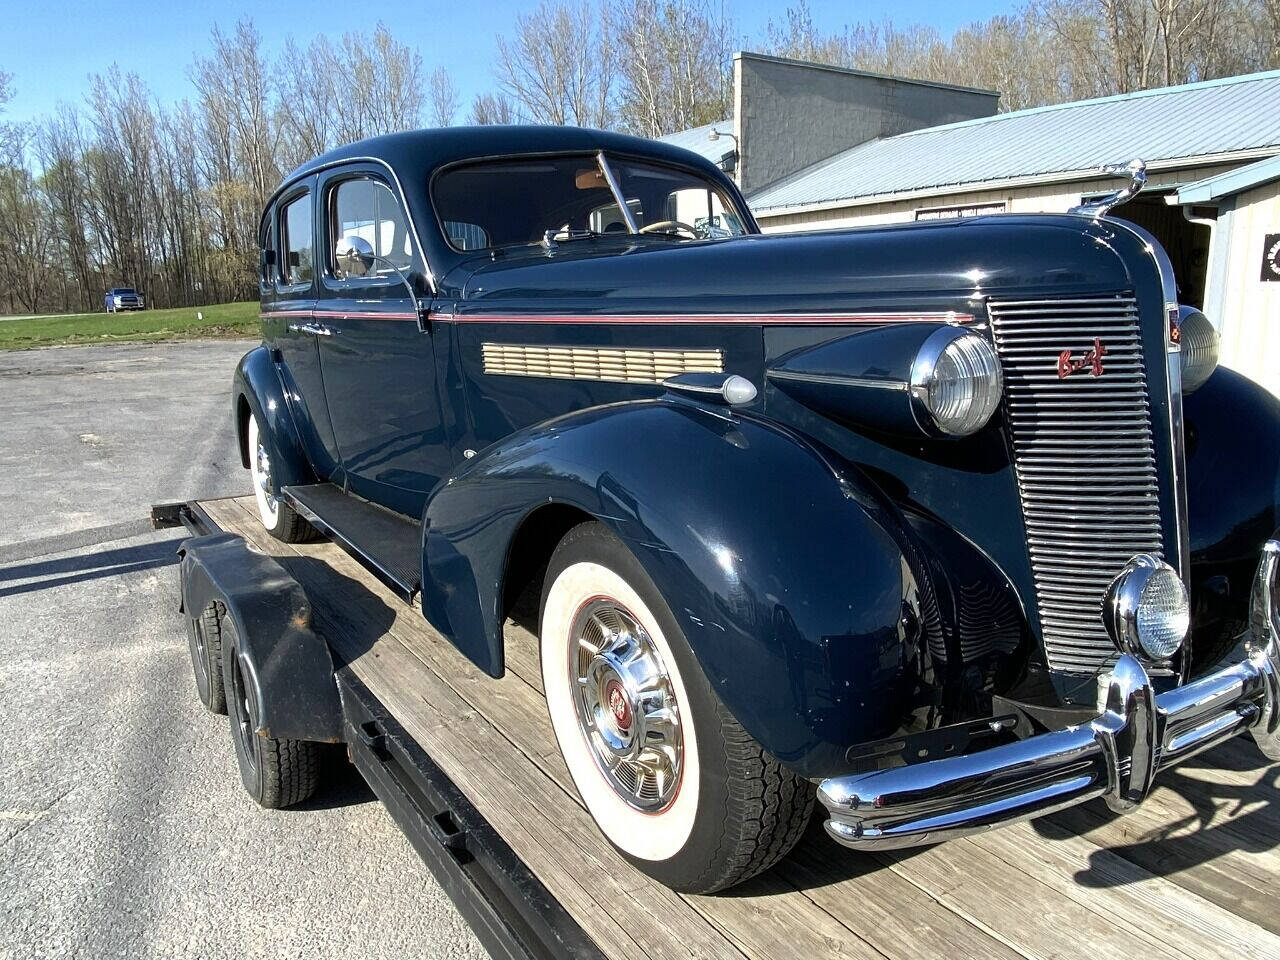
[(626, 705), (262, 474)]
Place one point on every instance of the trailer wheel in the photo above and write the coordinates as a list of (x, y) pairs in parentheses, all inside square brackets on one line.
[(204, 636), (280, 519), (276, 773), (673, 781)]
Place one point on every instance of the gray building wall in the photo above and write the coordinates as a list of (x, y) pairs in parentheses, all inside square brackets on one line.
[(789, 114)]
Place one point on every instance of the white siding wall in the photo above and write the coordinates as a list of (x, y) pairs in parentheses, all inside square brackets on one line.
[(1251, 308)]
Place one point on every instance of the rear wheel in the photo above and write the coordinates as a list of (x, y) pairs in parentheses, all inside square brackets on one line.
[(280, 519), (276, 773), (204, 636), (673, 781)]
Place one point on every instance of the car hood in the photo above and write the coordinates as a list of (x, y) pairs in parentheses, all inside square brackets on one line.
[(936, 264)]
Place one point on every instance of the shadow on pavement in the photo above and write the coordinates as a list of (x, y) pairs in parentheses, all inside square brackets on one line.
[(45, 574)]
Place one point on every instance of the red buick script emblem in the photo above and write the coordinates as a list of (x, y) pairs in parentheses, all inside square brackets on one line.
[(1091, 360)]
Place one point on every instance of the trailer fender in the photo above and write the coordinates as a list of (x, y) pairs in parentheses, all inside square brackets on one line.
[(791, 577), (288, 665), (256, 389)]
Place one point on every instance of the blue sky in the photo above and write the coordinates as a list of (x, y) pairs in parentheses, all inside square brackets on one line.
[(51, 57)]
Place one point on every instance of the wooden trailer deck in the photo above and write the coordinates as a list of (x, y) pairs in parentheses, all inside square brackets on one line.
[(1194, 873)]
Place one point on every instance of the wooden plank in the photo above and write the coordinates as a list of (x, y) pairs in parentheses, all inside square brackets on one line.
[(1005, 894)]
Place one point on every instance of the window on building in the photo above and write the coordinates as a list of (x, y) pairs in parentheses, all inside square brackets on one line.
[(297, 242)]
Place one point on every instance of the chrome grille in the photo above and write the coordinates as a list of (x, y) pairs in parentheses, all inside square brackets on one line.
[(1084, 460)]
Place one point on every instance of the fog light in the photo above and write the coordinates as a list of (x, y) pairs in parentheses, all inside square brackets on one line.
[(1146, 609)]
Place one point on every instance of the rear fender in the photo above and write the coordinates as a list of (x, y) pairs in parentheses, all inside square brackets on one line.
[(790, 577), (287, 663), (256, 388)]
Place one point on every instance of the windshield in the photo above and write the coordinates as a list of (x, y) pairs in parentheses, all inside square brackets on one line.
[(500, 203), (123, 290)]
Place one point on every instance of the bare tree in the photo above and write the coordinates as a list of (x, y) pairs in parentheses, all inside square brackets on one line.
[(559, 64), (673, 64), (307, 88), (443, 96), (492, 108), (26, 240)]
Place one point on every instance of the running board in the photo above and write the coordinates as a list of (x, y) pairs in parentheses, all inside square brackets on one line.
[(387, 544)]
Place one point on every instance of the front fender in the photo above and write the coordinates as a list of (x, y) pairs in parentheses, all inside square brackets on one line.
[(1233, 503), (256, 385), (792, 578)]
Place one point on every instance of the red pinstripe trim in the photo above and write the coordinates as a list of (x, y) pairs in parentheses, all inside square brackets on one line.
[(709, 318), (337, 315)]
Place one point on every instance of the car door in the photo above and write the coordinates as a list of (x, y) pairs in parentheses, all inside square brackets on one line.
[(289, 282), (378, 357)]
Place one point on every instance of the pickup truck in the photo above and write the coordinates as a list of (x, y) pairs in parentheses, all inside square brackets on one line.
[(123, 298)]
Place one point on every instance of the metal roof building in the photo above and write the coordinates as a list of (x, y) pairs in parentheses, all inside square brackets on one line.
[(1233, 119), (722, 151)]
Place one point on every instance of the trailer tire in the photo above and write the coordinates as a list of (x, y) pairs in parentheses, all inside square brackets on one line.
[(204, 637), (280, 519), (276, 773), (727, 810)]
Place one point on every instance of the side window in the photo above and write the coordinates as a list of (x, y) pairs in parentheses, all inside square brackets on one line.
[(368, 209), (297, 242)]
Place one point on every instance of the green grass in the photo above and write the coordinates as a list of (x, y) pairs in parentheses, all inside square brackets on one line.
[(220, 321)]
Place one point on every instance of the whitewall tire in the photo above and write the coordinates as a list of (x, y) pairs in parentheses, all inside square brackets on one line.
[(672, 780), (648, 828), (280, 520)]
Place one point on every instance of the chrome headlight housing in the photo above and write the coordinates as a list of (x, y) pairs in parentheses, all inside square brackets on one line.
[(1199, 348), (1147, 610), (955, 382)]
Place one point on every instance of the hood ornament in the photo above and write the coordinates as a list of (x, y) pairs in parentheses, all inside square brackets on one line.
[(1137, 172)]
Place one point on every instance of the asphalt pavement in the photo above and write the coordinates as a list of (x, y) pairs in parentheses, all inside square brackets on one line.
[(124, 831)]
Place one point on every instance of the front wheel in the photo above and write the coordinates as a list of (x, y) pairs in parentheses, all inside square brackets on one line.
[(673, 781), (280, 519)]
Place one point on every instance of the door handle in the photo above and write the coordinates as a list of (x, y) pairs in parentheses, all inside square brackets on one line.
[(318, 329)]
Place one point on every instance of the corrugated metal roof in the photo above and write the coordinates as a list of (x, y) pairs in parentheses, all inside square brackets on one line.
[(1197, 120), (1232, 182), (695, 139)]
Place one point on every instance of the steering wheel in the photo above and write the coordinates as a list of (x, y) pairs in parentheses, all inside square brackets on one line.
[(664, 225)]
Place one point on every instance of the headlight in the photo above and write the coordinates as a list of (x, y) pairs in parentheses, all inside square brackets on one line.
[(1199, 348), (955, 377), (1146, 610)]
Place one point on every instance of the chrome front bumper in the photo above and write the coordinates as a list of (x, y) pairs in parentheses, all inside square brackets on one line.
[(1117, 755)]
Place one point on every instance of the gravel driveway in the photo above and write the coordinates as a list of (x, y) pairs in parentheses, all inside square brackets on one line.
[(124, 831)]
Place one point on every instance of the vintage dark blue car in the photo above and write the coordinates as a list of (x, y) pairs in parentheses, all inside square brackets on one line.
[(957, 521)]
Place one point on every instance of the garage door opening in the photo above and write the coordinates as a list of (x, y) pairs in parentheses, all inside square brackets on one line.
[(1187, 243)]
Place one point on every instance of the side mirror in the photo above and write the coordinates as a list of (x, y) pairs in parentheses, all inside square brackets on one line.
[(353, 256)]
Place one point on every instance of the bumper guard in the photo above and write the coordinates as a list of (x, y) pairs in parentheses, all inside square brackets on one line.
[(1116, 756)]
